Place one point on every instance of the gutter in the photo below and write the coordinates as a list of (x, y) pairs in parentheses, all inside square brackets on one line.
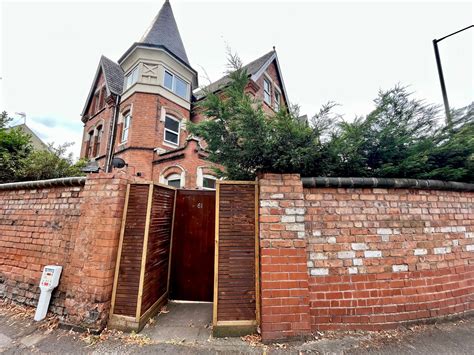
[(354, 182), (69, 181)]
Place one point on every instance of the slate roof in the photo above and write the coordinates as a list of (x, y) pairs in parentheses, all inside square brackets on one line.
[(114, 78), (113, 74), (252, 69), (163, 31)]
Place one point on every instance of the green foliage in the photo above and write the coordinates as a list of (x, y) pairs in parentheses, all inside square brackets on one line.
[(50, 164), (14, 148), (19, 162), (401, 137), (241, 137)]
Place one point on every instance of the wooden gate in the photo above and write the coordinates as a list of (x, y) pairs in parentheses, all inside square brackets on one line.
[(142, 270), (192, 262), (236, 278)]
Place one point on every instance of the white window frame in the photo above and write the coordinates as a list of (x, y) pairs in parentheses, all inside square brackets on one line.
[(174, 176), (132, 77), (173, 84), (277, 103), (167, 129), (127, 118), (269, 101), (210, 177)]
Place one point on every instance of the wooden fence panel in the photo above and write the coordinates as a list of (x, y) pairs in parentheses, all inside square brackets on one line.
[(236, 292), (128, 277), (155, 284), (142, 272)]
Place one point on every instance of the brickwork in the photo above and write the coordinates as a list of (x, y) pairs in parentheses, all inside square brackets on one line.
[(390, 255), (284, 275), (97, 118), (75, 227), (146, 134), (36, 229), (375, 258)]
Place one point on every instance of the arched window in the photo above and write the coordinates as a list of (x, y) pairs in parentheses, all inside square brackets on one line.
[(171, 133), (89, 146), (208, 182), (173, 180), (98, 138)]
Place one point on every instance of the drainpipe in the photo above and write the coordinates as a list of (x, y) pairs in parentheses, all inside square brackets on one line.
[(112, 130)]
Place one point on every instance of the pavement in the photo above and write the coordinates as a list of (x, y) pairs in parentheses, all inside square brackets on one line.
[(185, 328)]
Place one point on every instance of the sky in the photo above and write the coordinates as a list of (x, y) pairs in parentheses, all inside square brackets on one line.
[(328, 51)]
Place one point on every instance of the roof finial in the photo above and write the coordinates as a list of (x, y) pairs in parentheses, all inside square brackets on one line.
[(274, 48)]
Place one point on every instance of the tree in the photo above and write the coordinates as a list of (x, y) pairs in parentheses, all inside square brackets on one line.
[(452, 156), (50, 164), (403, 137), (14, 148), (244, 139), (19, 162)]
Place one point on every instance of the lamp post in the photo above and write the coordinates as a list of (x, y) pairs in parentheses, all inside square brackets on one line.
[(441, 76)]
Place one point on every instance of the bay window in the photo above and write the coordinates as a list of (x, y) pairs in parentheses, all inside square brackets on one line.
[(177, 85)]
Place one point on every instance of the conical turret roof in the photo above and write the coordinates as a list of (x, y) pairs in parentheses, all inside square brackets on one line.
[(163, 31)]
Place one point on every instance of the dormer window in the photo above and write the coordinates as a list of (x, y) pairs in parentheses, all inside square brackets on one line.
[(177, 85), (131, 78), (171, 130), (267, 92)]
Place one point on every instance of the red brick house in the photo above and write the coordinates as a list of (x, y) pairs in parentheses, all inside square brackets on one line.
[(137, 108)]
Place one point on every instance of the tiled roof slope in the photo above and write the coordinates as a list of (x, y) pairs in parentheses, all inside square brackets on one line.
[(113, 74)]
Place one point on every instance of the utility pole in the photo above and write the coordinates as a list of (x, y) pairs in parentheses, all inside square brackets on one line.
[(441, 76)]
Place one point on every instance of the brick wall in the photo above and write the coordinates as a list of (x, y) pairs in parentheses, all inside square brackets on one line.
[(375, 257), (380, 256), (76, 227), (284, 275)]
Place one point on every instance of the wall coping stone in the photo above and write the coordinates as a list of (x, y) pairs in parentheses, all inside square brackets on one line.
[(69, 181), (358, 182)]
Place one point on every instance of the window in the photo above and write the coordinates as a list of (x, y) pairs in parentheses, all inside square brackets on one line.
[(171, 130), (176, 85), (103, 93), (98, 138), (90, 138), (131, 78), (277, 100), (174, 180), (95, 102), (267, 92), (209, 182), (126, 127), (168, 80)]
